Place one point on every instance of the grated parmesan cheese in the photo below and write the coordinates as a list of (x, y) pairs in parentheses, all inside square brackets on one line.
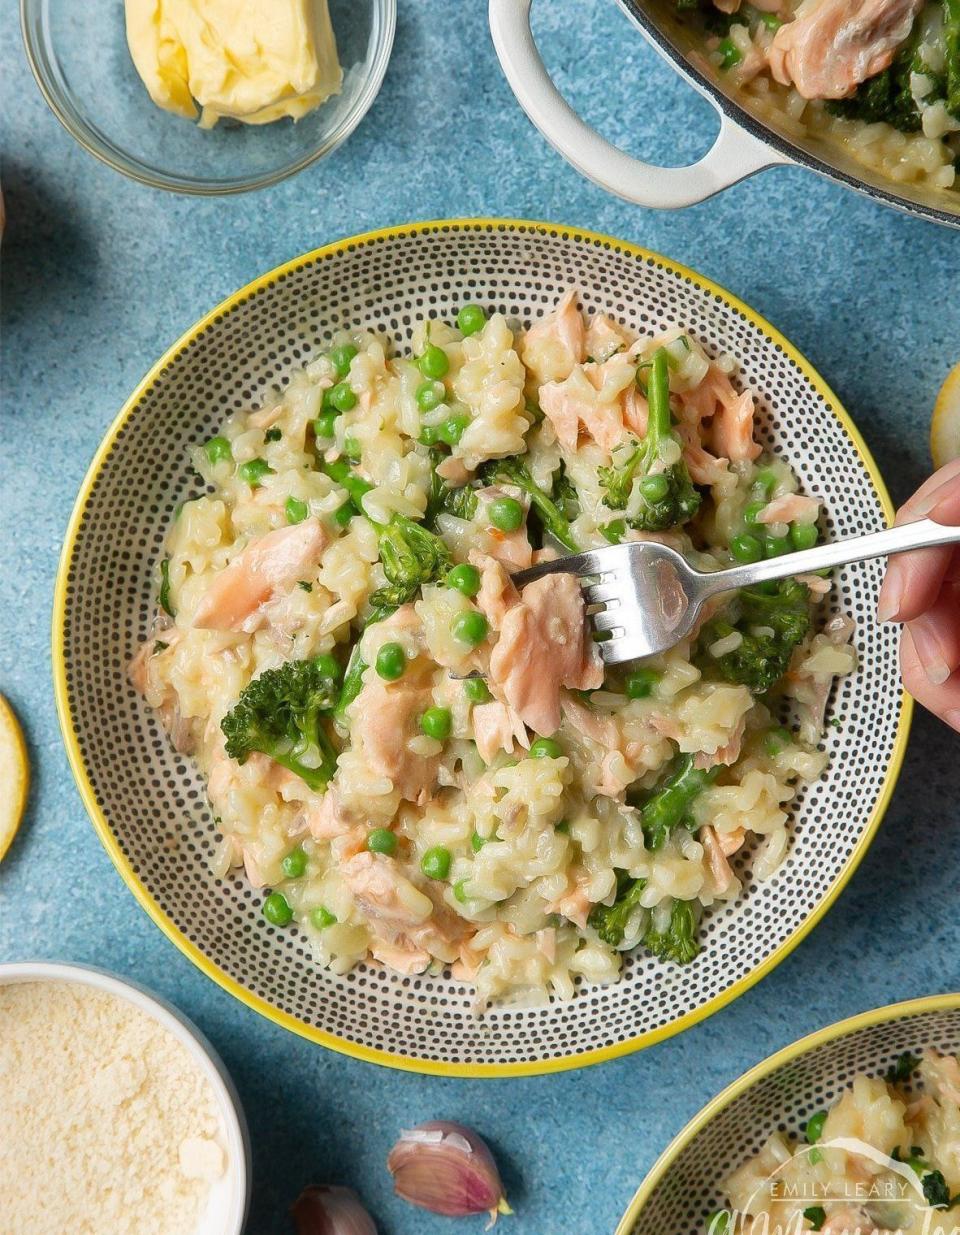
[(106, 1123)]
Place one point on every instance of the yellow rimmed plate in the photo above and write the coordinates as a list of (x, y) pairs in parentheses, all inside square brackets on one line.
[(147, 802), (684, 1185)]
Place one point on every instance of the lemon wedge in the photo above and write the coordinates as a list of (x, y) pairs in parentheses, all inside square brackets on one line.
[(14, 772), (945, 426)]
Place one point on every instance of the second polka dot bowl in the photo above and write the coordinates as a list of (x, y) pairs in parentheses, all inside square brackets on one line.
[(684, 1186), (147, 802)]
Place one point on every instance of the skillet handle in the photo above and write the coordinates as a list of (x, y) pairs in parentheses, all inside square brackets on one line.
[(734, 155)]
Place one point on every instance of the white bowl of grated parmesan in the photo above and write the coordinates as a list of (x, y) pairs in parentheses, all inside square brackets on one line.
[(116, 1113)]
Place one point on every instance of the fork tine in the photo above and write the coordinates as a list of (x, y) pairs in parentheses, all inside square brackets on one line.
[(597, 593), (611, 619)]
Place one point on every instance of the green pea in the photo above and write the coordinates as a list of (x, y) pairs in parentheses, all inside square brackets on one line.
[(382, 840), (477, 842), (391, 662), (342, 397), (433, 362), (476, 690), (430, 395), (452, 429), (341, 358), (352, 448), (321, 917), (294, 864), (471, 319), (776, 546), (460, 891), (654, 488), (729, 52), (435, 863), (218, 449), (765, 482), (429, 435), (296, 510), (746, 548), (641, 683), (436, 723), (469, 628), (276, 910), (325, 424), (506, 514), (814, 1128), (803, 535), (254, 471), (465, 578), (751, 513), (545, 748), (343, 514), (771, 21), (777, 740), (328, 666)]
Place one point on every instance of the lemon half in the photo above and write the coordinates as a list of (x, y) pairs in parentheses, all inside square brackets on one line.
[(14, 775), (945, 426)]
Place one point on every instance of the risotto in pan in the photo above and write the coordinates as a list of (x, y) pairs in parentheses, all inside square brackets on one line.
[(418, 762), (881, 78)]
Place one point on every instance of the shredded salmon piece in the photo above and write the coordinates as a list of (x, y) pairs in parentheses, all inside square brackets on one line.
[(834, 45), (270, 565), (544, 645)]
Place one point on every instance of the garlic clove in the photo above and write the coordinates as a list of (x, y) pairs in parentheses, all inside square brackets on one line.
[(322, 1210), (448, 1169)]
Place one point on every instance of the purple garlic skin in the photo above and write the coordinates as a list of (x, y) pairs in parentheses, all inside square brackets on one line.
[(321, 1210), (448, 1169)]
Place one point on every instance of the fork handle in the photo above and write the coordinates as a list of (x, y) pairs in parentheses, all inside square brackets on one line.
[(922, 534)]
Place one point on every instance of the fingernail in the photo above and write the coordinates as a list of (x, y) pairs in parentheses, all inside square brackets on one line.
[(930, 654), (953, 718), (927, 504), (888, 606)]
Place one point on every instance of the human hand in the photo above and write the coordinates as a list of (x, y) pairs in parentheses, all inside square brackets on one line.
[(922, 590)]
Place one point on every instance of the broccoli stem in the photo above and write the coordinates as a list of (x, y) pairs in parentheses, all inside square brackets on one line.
[(658, 400), (341, 471), (356, 668), (670, 805)]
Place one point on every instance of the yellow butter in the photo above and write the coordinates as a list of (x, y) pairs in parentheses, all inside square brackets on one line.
[(250, 60)]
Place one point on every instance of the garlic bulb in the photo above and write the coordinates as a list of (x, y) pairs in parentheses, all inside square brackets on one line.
[(447, 1168), (331, 1211)]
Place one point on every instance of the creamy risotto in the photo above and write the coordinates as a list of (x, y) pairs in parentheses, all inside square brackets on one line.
[(881, 78), (884, 1158), (418, 762)]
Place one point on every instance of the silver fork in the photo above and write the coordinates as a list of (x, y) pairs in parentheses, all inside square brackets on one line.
[(645, 597)]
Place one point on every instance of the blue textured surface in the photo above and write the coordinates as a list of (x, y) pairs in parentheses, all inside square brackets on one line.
[(99, 276)]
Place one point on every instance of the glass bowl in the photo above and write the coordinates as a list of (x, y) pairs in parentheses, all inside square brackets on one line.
[(83, 67)]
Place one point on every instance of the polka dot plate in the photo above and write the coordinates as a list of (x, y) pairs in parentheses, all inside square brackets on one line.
[(147, 802), (684, 1186)]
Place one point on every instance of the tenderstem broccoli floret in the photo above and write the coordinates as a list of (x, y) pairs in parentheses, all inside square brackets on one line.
[(772, 620), (670, 804), (678, 941), (411, 557), (667, 495), (611, 921), (280, 715)]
